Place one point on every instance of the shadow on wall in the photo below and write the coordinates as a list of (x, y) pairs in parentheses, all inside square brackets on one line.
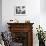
[(43, 6), (0, 15)]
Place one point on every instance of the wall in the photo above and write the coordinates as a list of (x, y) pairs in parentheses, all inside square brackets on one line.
[(43, 6), (43, 14), (32, 10), (33, 13), (0, 15)]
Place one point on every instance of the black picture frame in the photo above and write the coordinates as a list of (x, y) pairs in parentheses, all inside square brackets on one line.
[(20, 10)]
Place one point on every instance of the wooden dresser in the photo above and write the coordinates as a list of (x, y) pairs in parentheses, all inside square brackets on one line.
[(22, 33)]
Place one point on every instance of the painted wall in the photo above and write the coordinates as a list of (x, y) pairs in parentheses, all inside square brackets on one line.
[(43, 6), (33, 13), (43, 14), (0, 15)]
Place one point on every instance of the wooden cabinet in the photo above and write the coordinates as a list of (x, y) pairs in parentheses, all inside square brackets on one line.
[(22, 33)]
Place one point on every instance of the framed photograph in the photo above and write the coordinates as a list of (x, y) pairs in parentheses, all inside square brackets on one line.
[(20, 10)]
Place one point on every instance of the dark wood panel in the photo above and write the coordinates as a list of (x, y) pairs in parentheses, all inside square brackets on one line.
[(22, 27)]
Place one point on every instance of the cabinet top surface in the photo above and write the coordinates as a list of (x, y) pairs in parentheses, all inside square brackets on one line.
[(19, 23)]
